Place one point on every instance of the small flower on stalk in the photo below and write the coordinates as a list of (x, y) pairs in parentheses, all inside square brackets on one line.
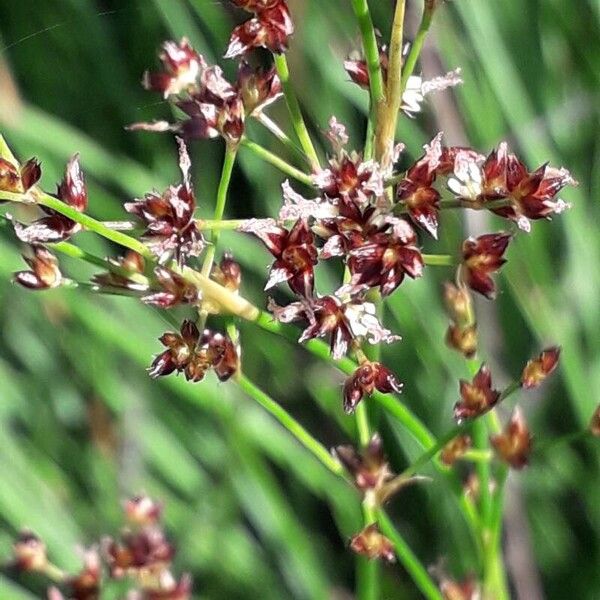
[(294, 251), (270, 28), (481, 257), (386, 258), (45, 272), (594, 426), (174, 289), (538, 369), (19, 180), (367, 378), (56, 227), (513, 445), (228, 273), (416, 190), (182, 68), (455, 449), (169, 218), (257, 87), (29, 553), (369, 468), (477, 397), (341, 320), (370, 542), (132, 264), (143, 510)]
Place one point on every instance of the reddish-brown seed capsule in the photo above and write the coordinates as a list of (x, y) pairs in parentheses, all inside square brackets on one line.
[(482, 257), (538, 369), (228, 273), (513, 445), (367, 378), (45, 271)]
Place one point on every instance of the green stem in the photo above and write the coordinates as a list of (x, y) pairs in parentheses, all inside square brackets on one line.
[(92, 224), (439, 260), (417, 45), (297, 430), (228, 162), (409, 560), (294, 110), (269, 124), (277, 162)]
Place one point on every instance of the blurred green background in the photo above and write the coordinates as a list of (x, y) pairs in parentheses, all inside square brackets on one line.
[(254, 516)]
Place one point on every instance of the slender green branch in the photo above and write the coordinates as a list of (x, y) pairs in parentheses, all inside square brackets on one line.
[(228, 162), (294, 110), (417, 45), (409, 560), (277, 162), (297, 430), (271, 126), (439, 260)]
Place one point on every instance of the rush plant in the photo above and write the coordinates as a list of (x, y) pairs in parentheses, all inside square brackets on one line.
[(366, 210)]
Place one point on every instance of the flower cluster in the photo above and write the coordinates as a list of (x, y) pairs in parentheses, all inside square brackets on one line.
[(212, 105), (142, 554)]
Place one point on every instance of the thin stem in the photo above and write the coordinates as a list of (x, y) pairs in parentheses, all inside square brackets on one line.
[(297, 430), (409, 560), (439, 260), (92, 224), (294, 110), (269, 124), (228, 162), (210, 224), (417, 45), (277, 162), (386, 125)]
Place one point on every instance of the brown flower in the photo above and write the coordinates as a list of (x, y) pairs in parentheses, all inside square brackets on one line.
[(455, 448), (370, 542), (19, 180), (481, 257), (56, 227), (228, 273), (462, 332), (257, 87), (513, 445), (169, 218), (477, 397), (174, 290), (538, 369), (86, 584), (127, 274), (367, 378), (45, 272), (29, 552)]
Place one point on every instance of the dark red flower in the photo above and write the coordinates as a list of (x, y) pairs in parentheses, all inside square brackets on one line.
[(174, 289), (183, 67), (56, 227), (341, 321), (127, 273), (228, 273), (538, 369), (367, 378), (257, 87), (477, 397), (594, 426), (294, 251), (142, 511), (171, 227), (481, 257), (45, 271), (513, 445), (194, 354), (358, 71), (386, 258), (19, 180), (86, 584), (416, 190), (270, 28), (370, 542)]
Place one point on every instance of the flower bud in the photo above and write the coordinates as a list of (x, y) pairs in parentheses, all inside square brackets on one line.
[(463, 340), (455, 449), (29, 552), (513, 445), (367, 378), (228, 273), (370, 542), (538, 369), (45, 271), (459, 304)]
